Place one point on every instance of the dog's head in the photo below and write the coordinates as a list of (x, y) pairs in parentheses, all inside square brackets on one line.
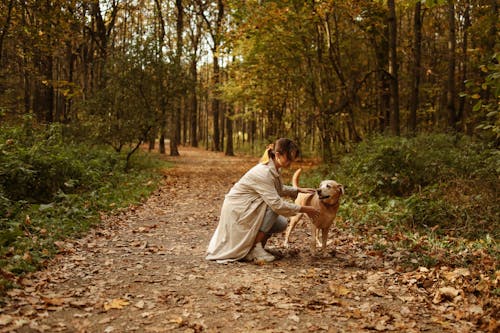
[(329, 191)]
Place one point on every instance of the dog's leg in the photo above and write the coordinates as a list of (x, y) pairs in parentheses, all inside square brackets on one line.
[(324, 235), (317, 237), (314, 236), (291, 225)]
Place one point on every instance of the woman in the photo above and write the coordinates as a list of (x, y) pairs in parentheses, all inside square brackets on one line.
[(254, 208)]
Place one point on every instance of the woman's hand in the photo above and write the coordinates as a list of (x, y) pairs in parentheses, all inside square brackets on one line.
[(306, 190), (311, 211)]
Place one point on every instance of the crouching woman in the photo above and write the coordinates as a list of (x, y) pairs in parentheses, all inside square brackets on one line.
[(255, 208)]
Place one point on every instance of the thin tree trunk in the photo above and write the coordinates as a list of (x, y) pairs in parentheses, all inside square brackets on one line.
[(451, 88), (463, 69), (216, 104), (417, 59), (229, 132), (393, 68), (161, 80), (5, 27), (176, 119), (193, 119)]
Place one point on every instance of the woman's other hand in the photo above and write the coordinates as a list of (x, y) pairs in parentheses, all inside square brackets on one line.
[(306, 190)]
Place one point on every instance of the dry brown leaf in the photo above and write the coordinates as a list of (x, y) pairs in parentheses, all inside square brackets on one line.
[(54, 301), (338, 290), (376, 291), (5, 320), (455, 274), (445, 293)]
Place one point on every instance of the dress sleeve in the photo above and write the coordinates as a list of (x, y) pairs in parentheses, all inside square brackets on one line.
[(290, 191), (264, 185)]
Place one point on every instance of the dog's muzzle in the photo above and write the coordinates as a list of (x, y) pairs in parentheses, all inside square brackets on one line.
[(321, 196)]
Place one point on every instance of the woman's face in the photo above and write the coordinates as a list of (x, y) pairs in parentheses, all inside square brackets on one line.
[(283, 160)]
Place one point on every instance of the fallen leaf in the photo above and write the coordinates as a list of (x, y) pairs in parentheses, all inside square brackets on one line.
[(338, 290), (54, 301), (5, 320), (116, 303), (178, 320), (449, 292), (375, 291), (445, 293), (140, 304), (459, 272)]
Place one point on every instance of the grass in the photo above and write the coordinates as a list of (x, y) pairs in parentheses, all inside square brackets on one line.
[(52, 188)]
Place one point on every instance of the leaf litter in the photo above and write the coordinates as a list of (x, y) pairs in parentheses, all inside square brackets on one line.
[(143, 270)]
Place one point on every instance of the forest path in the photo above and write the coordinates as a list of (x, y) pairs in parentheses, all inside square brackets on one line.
[(144, 270)]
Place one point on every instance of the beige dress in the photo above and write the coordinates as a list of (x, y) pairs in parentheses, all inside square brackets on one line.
[(243, 211)]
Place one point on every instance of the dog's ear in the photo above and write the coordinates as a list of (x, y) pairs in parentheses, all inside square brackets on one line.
[(341, 189)]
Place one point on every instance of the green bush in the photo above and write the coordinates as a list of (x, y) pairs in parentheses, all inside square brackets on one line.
[(390, 166), (52, 188), (445, 181)]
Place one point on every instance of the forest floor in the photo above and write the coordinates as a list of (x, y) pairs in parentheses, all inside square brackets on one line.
[(143, 270)]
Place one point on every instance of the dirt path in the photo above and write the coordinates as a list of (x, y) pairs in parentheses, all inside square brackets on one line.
[(144, 271)]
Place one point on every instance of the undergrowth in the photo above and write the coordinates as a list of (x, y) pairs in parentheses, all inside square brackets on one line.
[(52, 187), (433, 195)]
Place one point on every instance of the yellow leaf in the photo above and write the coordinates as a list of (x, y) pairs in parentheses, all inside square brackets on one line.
[(116, 303), (178, 320), (338, 290), (54, 301)]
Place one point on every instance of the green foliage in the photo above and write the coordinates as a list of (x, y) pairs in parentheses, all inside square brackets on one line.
[(486, 98), (52, 188), (122, 113), (401, 167), (441, 181)]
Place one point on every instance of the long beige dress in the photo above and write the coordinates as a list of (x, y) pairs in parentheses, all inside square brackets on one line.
[(243, 211)]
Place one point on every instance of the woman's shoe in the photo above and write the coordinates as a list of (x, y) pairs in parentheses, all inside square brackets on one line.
[(259, 254)]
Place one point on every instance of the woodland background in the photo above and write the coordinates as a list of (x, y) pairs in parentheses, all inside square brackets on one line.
[(223, 73), (398, 100)]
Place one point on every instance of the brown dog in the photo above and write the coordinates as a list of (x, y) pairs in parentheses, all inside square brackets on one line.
[(327, 199)]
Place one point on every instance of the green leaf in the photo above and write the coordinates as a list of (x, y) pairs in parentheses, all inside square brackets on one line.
[(477, 106)]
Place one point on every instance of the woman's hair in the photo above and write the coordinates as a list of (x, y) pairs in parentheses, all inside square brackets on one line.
[(283, 146)]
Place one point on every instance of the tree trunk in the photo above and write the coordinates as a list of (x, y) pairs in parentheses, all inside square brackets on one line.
[(163, 124), (175, 128), (463, 69), (193, 111), (102, 33), (229, 132), (43, 96), (5, 29), (393, 68), (417, 59), (216, 104), (451, 88)]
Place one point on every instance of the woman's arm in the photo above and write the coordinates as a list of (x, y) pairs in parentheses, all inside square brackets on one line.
[(306, 190), (311, 211)]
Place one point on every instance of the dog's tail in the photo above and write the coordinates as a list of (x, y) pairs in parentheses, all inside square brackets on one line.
[(295, 178)]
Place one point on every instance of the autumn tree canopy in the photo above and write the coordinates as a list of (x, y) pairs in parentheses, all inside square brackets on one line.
[(231, 72)]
